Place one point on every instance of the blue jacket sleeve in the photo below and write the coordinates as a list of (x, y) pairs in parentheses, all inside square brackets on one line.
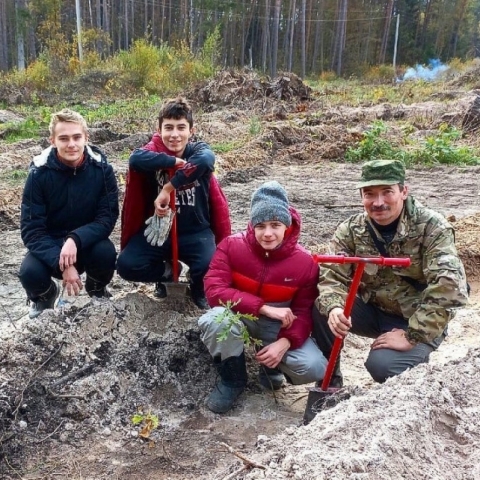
[(200, 161), (144, 161), (106, 215), (33, 223)]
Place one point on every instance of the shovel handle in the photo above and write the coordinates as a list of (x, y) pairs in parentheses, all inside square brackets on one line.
[(386, 261), (173, 230), (338, 343)]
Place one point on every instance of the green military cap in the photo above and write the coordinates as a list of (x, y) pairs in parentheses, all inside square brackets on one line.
[(382, 172)]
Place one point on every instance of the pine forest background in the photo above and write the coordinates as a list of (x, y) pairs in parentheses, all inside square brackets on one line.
[(307, 37)]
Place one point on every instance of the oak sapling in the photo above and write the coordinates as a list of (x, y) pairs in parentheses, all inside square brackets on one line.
[(233, 319), (148, 421)]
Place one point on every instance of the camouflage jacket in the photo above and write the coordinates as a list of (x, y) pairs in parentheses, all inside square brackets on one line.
[(428, 239)]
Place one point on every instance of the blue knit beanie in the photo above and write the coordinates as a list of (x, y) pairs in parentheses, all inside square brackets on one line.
[(270, 203)]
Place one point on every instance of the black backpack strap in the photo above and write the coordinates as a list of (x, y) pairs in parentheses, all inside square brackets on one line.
[(378, 243), (418, 286)]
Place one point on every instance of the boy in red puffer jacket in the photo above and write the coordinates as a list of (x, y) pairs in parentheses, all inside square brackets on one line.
[(263, 272)]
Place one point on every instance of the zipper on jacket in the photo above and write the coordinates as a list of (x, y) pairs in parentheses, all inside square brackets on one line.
[(264, 272)]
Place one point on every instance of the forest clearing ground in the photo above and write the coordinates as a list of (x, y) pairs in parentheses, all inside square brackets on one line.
[(148, 354)]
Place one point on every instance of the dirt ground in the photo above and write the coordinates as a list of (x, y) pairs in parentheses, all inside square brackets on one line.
[(71, 381)]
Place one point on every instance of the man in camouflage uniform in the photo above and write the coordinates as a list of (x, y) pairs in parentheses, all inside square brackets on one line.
[(406, 310)]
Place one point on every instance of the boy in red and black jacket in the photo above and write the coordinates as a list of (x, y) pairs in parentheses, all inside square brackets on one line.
[(201, 208)]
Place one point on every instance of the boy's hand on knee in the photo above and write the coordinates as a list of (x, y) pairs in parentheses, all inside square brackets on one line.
[(284, 315), (395, 340), (272, 354)]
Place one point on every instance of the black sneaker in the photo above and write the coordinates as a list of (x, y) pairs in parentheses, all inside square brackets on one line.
[(200, 301), (160, 290), (44, 301), (96, 289), (335, 382)]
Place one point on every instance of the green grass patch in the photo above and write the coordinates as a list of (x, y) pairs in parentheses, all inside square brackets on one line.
[(225, 147), (354, 92), (436, 149), (29, 128), (14, 177), (255, 126), (135, 114), (125, 155)]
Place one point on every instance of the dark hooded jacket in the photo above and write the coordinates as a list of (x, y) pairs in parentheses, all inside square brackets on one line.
[(247, 275), (60, 201)]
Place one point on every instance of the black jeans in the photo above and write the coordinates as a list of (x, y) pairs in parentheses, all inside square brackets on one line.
[(141, 262), (98, 261), (369, 321)]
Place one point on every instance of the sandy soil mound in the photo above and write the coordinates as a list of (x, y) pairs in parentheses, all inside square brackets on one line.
[(467, 239), (10, 200), (422, 424)]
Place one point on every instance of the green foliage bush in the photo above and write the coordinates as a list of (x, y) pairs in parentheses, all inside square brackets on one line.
[(143, 69), (19, 131), (165, 69), (438, 149)]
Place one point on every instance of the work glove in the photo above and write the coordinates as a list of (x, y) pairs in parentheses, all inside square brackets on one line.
[(158, 229)]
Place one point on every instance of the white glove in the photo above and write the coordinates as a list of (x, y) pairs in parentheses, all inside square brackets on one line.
[(158, 229)]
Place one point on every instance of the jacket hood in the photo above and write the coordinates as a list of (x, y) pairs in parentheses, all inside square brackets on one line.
[(289, 242), (160, 146), (49, 158), (156, 145)]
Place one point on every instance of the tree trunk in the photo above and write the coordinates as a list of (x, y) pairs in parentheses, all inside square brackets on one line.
[(426, 21), (276, 26), (386, 31), (316, 40), (303, 40), (243, 35), (90, 12), (126, 25), (3, 36), (265, 35), (145, 17), (107, 12), (340, 37), (98, 25), (20, 30), (459, 16)]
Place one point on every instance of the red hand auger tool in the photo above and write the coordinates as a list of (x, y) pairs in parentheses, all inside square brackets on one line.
[(317, 396), (175, 289)]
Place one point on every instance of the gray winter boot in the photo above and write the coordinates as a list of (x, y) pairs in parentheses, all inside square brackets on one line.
[(232, 382), (271, 378), (44, 301)]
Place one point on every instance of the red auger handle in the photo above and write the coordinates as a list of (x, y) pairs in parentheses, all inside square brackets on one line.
[(173, 231), (357, 277), (386, 261), (338, 342)]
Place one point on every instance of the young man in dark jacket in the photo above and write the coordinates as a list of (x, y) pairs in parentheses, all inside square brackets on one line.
[(201, 208), (262, 272), (69, 209)]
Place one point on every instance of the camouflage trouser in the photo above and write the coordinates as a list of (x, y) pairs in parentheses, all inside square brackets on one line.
[(302, 365), (369, 321)]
